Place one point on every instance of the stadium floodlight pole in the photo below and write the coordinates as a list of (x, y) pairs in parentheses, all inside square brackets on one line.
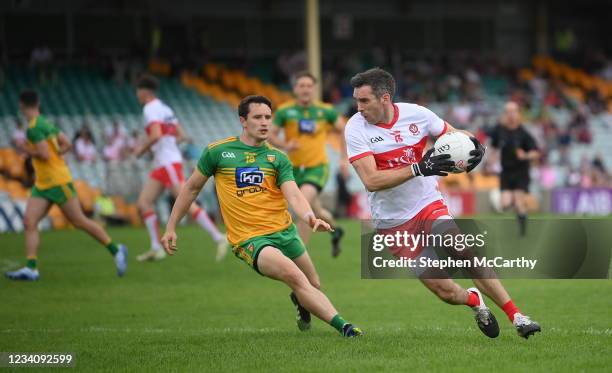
[(313, 42)]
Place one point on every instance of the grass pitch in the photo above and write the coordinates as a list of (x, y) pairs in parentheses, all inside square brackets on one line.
[(187, 313)]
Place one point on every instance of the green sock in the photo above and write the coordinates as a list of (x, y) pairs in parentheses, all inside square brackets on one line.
[(112, 248), (31, 263), (337, 322)]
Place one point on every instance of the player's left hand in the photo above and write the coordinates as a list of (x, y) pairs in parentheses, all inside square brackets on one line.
[(319, 225), (168, 242), (476, 154)]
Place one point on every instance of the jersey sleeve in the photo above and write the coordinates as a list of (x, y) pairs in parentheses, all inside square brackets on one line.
[(436, 126), (207, 164), (495, 137), (529, 142), (356, 145), (36, 134), (152, 115), (284, 169), (331, 116), (279, 118)]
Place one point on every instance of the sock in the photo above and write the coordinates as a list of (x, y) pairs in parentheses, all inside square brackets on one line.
[(201, 217), (150, 220), (510, 309), (338, 322), (473, 300), (522, 220), (31, 262), (112, 248)]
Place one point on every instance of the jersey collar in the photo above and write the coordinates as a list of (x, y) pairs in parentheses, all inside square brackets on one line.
[(33, 122), (393, 121)]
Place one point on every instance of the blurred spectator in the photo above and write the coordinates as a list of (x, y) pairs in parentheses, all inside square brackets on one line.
[(84, 146), (18, 139), (115, 143), (132, 141)]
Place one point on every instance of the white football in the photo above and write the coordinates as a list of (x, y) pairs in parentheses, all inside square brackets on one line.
[(458, 145)]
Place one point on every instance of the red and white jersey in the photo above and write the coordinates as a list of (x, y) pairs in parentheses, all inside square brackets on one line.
[(165, 150), (394, 145)]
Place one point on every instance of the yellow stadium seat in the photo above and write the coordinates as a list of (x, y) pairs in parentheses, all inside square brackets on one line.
[(485, 182)]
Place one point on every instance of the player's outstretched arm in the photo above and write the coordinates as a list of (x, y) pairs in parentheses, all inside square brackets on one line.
[(302, 208), (154, 134), (40, 150), (181, 135), (64, 143), (185, 198)]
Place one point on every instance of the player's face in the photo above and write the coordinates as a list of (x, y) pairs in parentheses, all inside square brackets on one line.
[(142, 95), (304, 89), (371, 107), (512, 114), (258, 122)]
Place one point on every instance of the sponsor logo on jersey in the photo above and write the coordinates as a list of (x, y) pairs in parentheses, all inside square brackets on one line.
[(307, 126), (376, 139), (228, 155), (414, 129), (249, 180), (397, 135), (250, 157), (248, 176)]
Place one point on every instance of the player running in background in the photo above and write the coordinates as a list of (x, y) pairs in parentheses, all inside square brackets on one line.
[(385, 142), (254, 182), (517, 148), (163, 134), (306, 123), (53, 185)]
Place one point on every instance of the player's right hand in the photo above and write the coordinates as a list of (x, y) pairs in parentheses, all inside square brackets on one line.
[(429, 165), (168, 241)]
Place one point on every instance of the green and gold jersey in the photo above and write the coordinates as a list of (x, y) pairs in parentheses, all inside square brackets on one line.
[(54, 171), (248, 180), (309, 127)]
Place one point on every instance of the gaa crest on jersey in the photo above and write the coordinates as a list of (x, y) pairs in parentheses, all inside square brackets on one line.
[(413, 128), (271, 157), (248, 177), (249, 157)]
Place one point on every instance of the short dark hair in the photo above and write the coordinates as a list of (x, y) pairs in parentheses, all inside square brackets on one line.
[(147, 81), (380, 80), (243, 106), (29, 98), (302, 74)]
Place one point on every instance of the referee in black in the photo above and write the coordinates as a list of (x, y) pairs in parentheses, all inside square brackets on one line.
[(517, 149)]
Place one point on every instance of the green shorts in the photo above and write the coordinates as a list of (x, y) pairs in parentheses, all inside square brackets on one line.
[(287, 241), (58, 194), (317, 176)]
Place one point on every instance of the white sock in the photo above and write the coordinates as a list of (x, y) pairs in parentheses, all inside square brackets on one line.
[(150, 220), (201, 217)]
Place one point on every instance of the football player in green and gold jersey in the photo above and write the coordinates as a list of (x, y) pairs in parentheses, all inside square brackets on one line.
[(255, 185), (53, 185), (306, 124)]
